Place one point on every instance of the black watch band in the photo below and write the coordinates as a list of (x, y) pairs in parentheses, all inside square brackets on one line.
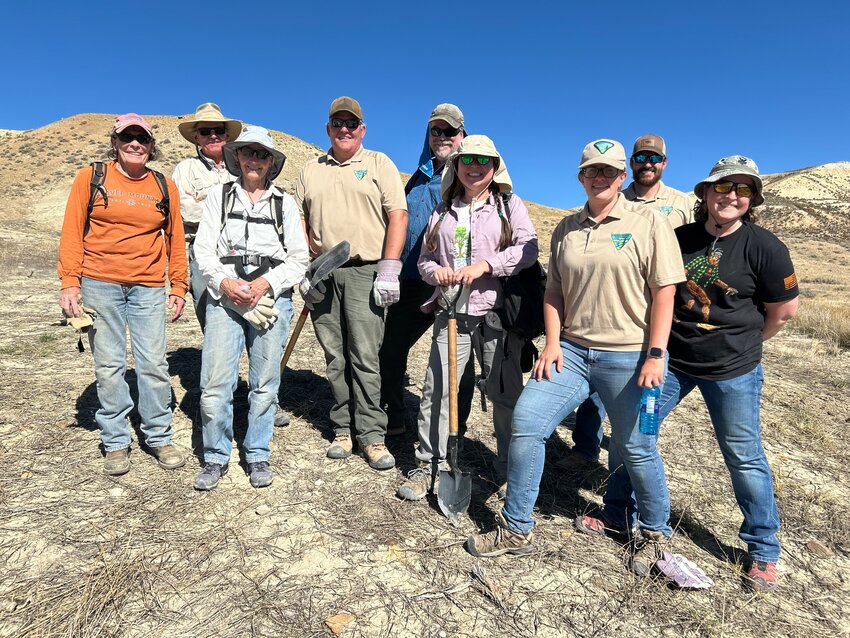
[(655, 353)]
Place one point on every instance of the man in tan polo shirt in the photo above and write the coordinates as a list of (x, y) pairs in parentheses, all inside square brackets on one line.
[(354, 194), (648, 161)]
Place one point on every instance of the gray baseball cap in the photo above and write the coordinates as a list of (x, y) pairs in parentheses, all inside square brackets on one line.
[(733, 165)]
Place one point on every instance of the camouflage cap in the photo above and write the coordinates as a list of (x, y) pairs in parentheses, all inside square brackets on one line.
[(604, 151), (448, 112), (733, 165)]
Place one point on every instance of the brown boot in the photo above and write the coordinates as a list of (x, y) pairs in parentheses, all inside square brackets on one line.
[(500, 541), (169, 456), (117, 462), (379, 456), (647, 550), (341, 447)]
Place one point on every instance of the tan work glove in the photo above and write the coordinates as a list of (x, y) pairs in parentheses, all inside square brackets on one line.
[(262, 316), (82, 324)]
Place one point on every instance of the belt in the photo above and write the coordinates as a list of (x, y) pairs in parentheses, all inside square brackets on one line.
[(351, 263)]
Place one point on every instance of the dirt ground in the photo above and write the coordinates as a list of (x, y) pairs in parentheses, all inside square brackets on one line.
[(144, 554)]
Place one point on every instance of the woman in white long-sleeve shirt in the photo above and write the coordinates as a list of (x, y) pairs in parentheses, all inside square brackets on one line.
[(251, 251)]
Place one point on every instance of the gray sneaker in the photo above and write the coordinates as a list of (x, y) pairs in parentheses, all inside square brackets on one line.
[(209, 477), (117, 462), (260, 474), (420, 481)]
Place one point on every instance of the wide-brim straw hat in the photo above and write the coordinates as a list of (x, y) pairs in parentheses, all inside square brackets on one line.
[(253, 135), (477, 145), (733, 165), (209, 112)]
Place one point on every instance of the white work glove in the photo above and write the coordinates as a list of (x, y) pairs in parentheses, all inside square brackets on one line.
[(385, 290), (311, 294), (262, 316)]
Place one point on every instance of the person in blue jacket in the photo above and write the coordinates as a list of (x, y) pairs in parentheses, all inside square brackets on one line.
[(406, 322)]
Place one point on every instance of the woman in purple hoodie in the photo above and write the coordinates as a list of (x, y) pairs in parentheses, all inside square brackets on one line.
[(477, 234)]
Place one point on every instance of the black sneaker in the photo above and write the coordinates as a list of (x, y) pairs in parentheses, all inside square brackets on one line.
[(209, 476), (260, 474)]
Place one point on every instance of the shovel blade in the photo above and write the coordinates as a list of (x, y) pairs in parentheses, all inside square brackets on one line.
[(454, 492)]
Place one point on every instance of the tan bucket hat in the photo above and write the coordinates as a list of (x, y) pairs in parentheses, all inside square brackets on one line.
[(733, 165), (209, 112), (477, 145)]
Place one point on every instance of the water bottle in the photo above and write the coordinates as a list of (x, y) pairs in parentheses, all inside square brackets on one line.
[(649, 410)]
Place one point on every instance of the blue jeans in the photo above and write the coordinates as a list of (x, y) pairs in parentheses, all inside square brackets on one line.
[(225, 335), (587, 433), (543, 404), (142, 309), (734, 408)]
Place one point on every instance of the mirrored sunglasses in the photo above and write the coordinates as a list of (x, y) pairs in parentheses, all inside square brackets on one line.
[(741, 190), (643, 158), (482, 160)]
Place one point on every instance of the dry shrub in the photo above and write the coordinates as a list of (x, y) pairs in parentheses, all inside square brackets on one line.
[(825, 321)]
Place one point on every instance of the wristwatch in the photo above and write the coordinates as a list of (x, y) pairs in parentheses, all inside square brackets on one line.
[(655, 353)]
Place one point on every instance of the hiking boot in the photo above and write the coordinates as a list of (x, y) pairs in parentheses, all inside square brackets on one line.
[(647, 549), (761, 576), (117, 462), (260, 474), (577, 463), (209, 477), (168, 456), (379, 456), (499, 541), (281, 418), (340, 448), (420, 481)]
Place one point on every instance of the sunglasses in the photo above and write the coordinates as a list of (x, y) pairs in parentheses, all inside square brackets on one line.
[(141, 138), (741, 190), (350, 124), (643, 158), (482, 160), (206, 131), (607, 171), (259, 153), (449, 131)]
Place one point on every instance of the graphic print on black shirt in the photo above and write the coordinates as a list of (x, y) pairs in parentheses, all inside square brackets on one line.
[(719, 310)]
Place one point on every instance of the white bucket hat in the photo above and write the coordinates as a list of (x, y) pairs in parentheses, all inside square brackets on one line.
[(253, 135), (477, 145)]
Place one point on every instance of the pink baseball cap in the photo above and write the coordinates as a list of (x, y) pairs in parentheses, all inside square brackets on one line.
[(131, 119)]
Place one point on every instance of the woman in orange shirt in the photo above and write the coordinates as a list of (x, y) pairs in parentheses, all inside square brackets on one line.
[(113, 254)]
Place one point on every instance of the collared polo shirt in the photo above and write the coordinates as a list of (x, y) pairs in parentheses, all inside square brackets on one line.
[(349, 201), (604, 272), (676, 206)]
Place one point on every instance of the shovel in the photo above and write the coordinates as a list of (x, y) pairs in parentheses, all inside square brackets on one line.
[(455, 488)]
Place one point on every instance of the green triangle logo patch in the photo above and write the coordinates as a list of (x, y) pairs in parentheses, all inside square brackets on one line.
[(620, 239), (603, 146), (360, 175), (666, 210)]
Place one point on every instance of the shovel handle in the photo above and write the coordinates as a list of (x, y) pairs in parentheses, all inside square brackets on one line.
[(290, 345), (452, 376)]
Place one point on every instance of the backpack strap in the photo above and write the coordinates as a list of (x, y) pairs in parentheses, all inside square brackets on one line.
[(98, 177), (164, 205), (277, 213)]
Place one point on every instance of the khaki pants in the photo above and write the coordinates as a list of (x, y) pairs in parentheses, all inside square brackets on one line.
[(501, 368), (350, 328)]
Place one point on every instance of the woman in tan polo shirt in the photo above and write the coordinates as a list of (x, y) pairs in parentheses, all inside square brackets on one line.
[(608, 308)]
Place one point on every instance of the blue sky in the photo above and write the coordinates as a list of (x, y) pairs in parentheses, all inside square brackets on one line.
[(764, 79)]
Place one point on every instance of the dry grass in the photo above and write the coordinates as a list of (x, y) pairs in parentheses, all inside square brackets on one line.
[(824, 321)]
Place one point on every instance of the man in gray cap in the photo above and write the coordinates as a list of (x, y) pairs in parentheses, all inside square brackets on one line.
[(406, 322), (354, 194), (648, 161)]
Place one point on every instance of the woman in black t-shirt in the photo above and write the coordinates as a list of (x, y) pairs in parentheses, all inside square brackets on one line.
[(740, 291)]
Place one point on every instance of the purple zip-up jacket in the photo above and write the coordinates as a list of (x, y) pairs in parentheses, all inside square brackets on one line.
[(486, 228)]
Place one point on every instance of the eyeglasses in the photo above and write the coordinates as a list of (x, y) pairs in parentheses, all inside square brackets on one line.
[(741, 190), (482, 160), (206, 131), (607, 171), (449, 131), (141, 138), (643, 158), (350, 124), (248, 153)]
